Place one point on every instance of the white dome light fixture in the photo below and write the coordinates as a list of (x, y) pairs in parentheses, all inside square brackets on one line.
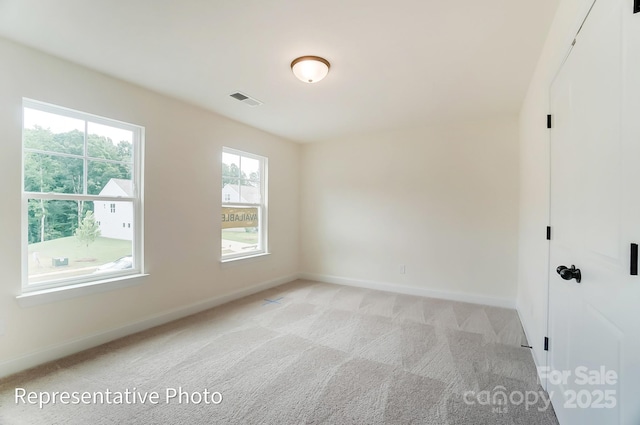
[(310, 69)]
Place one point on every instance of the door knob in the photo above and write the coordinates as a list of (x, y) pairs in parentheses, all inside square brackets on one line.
[(569, 273)]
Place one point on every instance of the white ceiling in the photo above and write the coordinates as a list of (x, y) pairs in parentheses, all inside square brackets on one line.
[(400, 63)]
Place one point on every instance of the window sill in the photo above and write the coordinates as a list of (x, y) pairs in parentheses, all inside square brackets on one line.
[(45, 296), (248, 259)]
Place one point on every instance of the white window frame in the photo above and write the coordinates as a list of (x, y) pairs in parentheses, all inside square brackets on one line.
[(136, 200), (262, 207)]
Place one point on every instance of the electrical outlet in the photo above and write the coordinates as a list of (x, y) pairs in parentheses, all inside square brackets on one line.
[(403, 269)]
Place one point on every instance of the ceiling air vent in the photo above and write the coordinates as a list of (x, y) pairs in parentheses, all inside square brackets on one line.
[(247, 100)]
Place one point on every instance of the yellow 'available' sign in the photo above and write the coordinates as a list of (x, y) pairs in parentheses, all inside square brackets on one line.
[(239, 217)]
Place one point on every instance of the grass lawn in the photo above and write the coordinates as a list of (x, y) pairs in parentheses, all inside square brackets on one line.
[(244, 237), (102, 251)]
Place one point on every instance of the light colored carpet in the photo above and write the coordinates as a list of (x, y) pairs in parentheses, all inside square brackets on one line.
[(316, 353)]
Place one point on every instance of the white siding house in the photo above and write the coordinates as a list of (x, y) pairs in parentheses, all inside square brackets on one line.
[(115, 218), (241, 194)]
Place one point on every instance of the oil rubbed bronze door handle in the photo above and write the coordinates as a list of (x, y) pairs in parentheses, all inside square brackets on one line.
[(569, 273)]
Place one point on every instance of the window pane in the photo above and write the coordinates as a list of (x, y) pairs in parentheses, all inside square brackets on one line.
[(249, 192), (230, 168), (108, 142), (52, 132), (60, 248), (231, 191), (240, 231), (52, 173), (109, 179), (240, 240), (250, 168)]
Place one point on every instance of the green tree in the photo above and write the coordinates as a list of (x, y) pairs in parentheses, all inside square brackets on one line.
[(231, 174), (45, 170), (88, 230), (254, 179)]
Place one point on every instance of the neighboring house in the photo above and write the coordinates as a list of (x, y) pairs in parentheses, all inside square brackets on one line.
[(247, 194), (115, 218)]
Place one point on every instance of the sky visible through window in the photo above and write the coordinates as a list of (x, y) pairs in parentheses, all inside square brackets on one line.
[(249, 165), (60, 124)]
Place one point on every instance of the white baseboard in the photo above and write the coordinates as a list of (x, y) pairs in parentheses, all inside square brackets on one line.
[(48, 354), (411, 290)]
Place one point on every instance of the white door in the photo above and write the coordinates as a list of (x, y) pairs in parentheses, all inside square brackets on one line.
[(594, 325)]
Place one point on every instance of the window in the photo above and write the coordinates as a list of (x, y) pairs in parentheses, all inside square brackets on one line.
[(74, 165), (244, 200)]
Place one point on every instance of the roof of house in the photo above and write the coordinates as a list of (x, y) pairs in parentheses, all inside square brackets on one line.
[(249, 194), (125, 185)]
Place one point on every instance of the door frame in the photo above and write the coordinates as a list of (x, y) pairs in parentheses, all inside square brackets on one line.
[(581, 18)]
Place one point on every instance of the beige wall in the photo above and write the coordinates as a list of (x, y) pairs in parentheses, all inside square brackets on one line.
[(534, 177), (182, 204), (442, 201)]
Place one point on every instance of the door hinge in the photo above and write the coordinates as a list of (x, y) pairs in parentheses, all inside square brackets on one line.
[(549, 117), (548, 233), (546, 343), (636, 6)]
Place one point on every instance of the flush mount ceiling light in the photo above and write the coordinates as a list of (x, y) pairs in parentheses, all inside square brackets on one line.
[(310, 69)]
